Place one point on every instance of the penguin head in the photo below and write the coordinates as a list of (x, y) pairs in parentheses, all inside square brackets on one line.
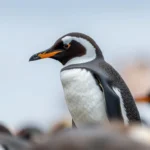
[(72, 48), (4, 130), (27, 133)]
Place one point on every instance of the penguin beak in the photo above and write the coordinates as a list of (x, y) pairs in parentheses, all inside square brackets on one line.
[(49, 53), (145, 99)]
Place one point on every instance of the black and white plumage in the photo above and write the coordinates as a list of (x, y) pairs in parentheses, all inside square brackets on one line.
[(94, 91)]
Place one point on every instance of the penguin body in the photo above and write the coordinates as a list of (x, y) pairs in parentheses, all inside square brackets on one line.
[(79, 88), (116, 97), (94, 90)]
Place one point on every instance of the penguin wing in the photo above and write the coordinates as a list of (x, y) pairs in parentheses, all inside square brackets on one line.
[(112, 100)]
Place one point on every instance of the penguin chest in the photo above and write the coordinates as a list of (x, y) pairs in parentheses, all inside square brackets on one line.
[(84, 98)]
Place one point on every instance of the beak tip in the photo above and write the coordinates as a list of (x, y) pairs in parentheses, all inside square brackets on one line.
[(31, 59), (34, 57)]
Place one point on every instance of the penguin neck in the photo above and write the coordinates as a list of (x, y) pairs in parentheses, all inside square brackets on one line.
[(79, 60)]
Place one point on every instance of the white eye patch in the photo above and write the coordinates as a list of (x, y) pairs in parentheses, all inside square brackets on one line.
[(85, 43), (67, 39)]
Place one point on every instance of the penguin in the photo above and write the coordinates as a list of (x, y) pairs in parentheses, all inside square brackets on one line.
[(27, 133), (98, 137), (94, 90), (5, 130), (8, 142)]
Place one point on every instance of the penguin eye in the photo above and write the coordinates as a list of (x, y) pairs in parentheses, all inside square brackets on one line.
[(67, 46)]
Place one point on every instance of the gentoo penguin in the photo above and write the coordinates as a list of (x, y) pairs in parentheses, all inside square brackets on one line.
[(93, 89), (8, 142), (98, 137), (28, 132), (5, 130)]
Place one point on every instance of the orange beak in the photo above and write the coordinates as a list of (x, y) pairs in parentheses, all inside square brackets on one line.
[(145, 99), (50, 53)]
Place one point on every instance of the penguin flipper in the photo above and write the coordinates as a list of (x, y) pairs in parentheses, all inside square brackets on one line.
[(112, 100)]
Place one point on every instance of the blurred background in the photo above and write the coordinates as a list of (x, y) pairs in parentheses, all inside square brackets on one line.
[(31, 93)]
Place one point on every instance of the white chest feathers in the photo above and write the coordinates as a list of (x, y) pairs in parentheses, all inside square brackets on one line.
[(84, 98)]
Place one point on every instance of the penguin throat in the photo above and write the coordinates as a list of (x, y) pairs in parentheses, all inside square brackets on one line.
[(79, 60)]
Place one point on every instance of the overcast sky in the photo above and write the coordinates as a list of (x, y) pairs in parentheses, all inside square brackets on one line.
[(121, 29)]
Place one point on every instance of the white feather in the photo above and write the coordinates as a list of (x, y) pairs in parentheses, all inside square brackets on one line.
[(123, 110), (90, 50), (83, 96)]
